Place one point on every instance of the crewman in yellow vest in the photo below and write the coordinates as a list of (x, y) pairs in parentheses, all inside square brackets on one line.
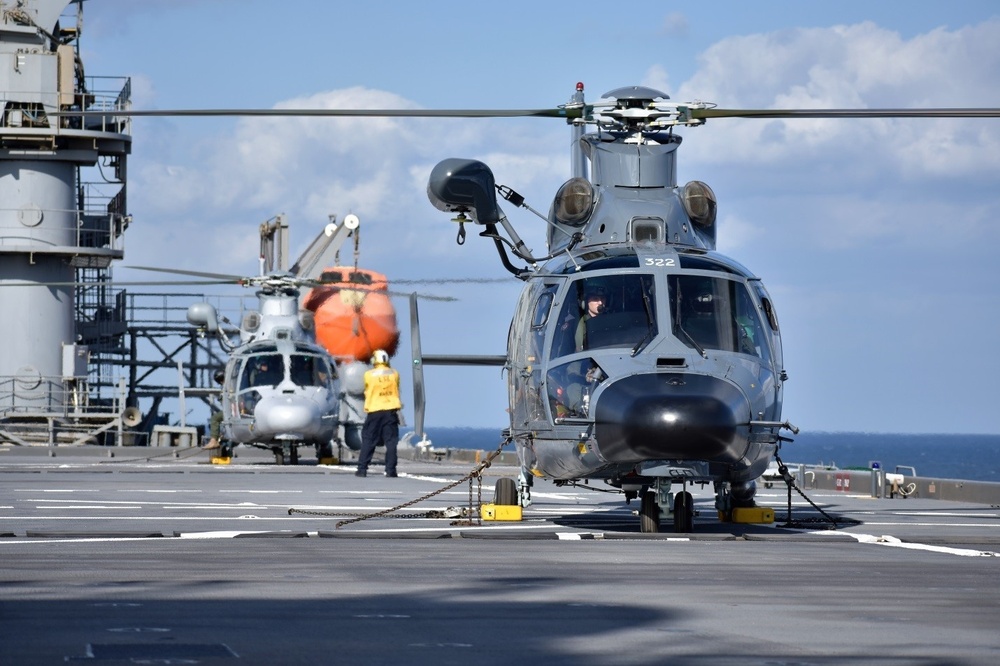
[(382, 407)]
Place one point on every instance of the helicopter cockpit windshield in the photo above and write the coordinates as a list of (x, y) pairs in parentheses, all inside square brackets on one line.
[(606, 311), (716, 313), (602, 312), (263, 370), (309, 370), (268, 370)]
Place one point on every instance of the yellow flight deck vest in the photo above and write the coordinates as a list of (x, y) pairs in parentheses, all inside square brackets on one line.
[(382, 389)]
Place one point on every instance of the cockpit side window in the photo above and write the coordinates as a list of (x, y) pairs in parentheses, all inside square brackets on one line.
[(606, 311), (539, 318), (232, 374), (542, 306), (769, 313)]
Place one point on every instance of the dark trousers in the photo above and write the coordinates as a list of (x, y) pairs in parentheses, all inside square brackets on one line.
[(381, 428)]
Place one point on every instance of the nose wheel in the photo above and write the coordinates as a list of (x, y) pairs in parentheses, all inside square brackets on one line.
[(650, 512), (279, 454), (683, 512)]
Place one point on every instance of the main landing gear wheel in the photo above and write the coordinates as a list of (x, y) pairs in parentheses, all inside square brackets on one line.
[(293, 455), (505, 493), (279, 455), (649, 513), (683, 512)]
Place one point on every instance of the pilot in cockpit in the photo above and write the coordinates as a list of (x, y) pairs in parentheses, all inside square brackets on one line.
[(264, 372), (595, 302)]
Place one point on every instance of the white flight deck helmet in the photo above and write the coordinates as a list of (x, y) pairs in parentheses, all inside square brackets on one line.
[(380, 357)]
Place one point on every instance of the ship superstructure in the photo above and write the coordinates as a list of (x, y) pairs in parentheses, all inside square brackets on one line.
[(63, 213)]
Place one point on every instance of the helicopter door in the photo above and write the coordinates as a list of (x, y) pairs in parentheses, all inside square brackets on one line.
[(527, 342), (771, 319)]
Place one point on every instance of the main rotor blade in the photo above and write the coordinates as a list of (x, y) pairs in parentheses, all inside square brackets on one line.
[(178, 271), (117, 283), (510, 279), (845, 113), (414, 294), (418, 370), (558, 112)]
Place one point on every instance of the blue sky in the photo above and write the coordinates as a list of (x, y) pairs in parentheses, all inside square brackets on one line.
[(876, 238)]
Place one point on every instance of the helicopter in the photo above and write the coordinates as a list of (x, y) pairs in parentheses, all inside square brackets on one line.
[(637, 354), (279, 390), (296, 377)]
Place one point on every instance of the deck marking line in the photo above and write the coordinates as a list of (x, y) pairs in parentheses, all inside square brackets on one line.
[(888, 540)]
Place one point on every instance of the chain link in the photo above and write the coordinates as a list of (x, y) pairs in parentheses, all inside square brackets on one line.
[(476, 473), (790, 482), (176, 452)]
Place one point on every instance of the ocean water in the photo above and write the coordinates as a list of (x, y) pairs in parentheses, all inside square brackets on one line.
[(969, 457)]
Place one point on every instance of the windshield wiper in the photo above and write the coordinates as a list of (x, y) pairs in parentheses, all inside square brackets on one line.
[(650, 329), (679, 327), (694, 343)]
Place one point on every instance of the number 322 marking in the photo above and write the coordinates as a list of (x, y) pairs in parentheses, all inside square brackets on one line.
[(660, 262)]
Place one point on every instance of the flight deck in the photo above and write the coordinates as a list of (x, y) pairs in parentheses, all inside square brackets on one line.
[(162, 557)]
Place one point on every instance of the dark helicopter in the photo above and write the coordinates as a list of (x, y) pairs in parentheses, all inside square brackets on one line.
[(637, 354)]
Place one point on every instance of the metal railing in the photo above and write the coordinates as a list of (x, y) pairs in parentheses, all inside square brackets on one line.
[(81, 233), (25, 109)]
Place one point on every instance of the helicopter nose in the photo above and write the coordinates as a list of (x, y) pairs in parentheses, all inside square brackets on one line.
[(287, 414), (672, 416)]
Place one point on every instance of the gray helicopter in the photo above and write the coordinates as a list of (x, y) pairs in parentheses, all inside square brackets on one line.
[(279, 389), (638, 354), (296, 375)]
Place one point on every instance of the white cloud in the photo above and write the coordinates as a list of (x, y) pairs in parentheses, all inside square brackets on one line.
[(310, 168), (858, 66)]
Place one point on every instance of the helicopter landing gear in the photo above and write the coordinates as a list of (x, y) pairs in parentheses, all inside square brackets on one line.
[(683, 512), (649, 512), (658, 501), (505, 493), (524, 482), (279, 455)]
